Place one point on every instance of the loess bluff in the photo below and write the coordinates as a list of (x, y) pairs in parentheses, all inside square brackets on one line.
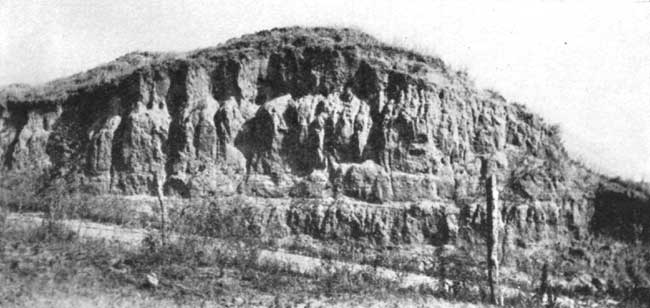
[(344, 135)]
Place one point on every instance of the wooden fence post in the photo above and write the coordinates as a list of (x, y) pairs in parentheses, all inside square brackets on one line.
[(159, 193), (493, 224)]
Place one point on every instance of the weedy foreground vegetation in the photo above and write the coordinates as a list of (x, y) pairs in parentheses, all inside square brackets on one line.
[(49, 265)]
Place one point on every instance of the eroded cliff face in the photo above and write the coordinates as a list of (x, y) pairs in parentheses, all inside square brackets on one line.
[(315, 114)]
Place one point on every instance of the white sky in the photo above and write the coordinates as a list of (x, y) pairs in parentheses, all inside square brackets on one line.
[(583, 65)]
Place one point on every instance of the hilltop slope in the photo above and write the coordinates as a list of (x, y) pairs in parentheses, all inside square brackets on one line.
[(329, 115)]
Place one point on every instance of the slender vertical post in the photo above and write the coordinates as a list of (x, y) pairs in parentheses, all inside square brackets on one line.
[(159, 194), (493, 219)]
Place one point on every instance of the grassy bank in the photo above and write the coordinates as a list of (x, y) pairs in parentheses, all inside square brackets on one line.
[(50, 266)]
